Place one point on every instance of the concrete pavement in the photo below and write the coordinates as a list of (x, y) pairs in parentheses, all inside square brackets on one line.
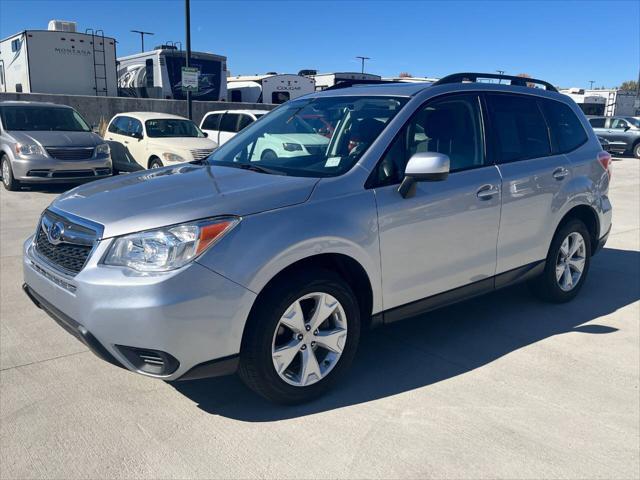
[(502, 386)]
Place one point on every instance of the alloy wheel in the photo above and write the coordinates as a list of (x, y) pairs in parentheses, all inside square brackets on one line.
[(5, 172), (571, 261), (309, 339)]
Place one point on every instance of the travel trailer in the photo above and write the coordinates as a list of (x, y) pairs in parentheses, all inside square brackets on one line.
[(327, 80), (605, 102), (158, 74), (59, 60), (269, 88)]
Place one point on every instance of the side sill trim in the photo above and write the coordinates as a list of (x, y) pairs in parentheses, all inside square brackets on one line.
[(456, 295)]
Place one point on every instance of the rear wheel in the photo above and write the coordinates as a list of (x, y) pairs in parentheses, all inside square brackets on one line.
[(8, 181), (567, 263), (301, 337), (155, 162)]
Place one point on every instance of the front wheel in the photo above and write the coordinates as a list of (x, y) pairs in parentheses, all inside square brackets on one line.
[(567, 264), (302, 335), (155, 163), (8, 181), (636, 150)]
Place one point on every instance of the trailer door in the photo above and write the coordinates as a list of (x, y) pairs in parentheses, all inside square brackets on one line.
[(3, 87)]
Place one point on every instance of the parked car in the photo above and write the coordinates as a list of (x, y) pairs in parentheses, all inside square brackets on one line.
[(224, 124), (272, 267), (621, 133), (48, 143), (153, 140)]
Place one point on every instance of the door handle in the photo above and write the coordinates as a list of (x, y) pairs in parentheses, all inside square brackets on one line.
[(486, 192), (560, 173), (127, 142)]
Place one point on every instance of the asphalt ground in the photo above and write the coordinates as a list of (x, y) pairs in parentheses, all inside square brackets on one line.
[(502, 386)]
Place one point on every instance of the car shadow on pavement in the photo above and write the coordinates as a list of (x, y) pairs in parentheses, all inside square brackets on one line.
[(443, 344)]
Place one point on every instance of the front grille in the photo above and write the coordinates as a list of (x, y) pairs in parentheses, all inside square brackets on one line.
[(81, 153), (316, 149), (72, 174), (69, 257), (64, 244), (201, 153)]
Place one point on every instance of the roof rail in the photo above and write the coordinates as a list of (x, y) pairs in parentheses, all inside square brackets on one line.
[(473, 77), (355, 81)]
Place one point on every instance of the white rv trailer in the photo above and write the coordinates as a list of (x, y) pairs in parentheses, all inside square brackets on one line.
[(607, 102), (411, 79), (326, 80), (269, 88), (158, 74), (59, 60), (589, 104)]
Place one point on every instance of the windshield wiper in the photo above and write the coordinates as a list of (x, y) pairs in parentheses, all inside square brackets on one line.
[(256, 168)]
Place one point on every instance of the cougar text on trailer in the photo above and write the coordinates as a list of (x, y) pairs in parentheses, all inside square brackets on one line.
[(269, 88)]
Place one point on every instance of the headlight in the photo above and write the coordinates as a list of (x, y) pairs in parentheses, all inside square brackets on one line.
[(292, 147), (168, 248), (172, 157), (28, 149), (102, 150)]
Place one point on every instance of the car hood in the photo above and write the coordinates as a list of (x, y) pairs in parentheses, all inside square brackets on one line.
[(47, 138), (181, 143), (181, 193), (300, 138)]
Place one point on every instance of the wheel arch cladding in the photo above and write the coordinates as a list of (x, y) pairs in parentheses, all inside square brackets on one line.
[(589, 217), (349, 269)]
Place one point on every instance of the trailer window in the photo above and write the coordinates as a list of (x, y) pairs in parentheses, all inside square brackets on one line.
[(280, 97), (15, 45)]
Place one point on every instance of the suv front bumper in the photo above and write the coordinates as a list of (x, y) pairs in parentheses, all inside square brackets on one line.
[(191, 317)]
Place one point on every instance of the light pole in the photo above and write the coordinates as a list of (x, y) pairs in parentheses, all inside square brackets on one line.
[(187, 14), (142, 34), (363, 59), (591, 82)]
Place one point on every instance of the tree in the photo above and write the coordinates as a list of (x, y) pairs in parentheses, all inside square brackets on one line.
[(405, 75), (630, 86)]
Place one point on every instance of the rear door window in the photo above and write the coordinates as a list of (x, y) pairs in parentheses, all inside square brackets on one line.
[(229, 123), (518, 127), (566, 129), (597, 122), (245, 121)]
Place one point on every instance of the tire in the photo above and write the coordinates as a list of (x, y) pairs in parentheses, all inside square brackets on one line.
[(155, 162), (268, 155), (8, 181), (266, 333), (553, 285), (636, 150)]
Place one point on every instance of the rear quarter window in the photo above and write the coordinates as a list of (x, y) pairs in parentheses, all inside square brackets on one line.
[(565, 127), (596, 122)]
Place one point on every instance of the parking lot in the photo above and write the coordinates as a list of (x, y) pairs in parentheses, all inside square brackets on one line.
[(502, 386)]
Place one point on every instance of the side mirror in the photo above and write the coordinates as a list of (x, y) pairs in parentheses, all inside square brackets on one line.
[(137, 135), (627, 128), (205, 134), (423, 167)]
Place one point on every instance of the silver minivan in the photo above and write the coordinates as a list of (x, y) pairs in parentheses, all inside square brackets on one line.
[(48, 143), (423, 195)]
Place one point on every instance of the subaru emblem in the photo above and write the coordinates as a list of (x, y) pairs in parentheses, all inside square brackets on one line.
[(55, 233)]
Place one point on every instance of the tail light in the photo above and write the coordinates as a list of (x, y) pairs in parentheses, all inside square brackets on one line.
[(605, 160)]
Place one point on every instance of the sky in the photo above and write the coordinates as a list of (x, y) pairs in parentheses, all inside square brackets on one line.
[(567, 43)]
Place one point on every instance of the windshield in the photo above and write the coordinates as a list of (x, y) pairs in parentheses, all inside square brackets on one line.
[(170, 127), (42, 118), (319, 137), (633, 121)]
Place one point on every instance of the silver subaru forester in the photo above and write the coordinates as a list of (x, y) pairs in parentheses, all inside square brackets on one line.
[(416, 196)]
